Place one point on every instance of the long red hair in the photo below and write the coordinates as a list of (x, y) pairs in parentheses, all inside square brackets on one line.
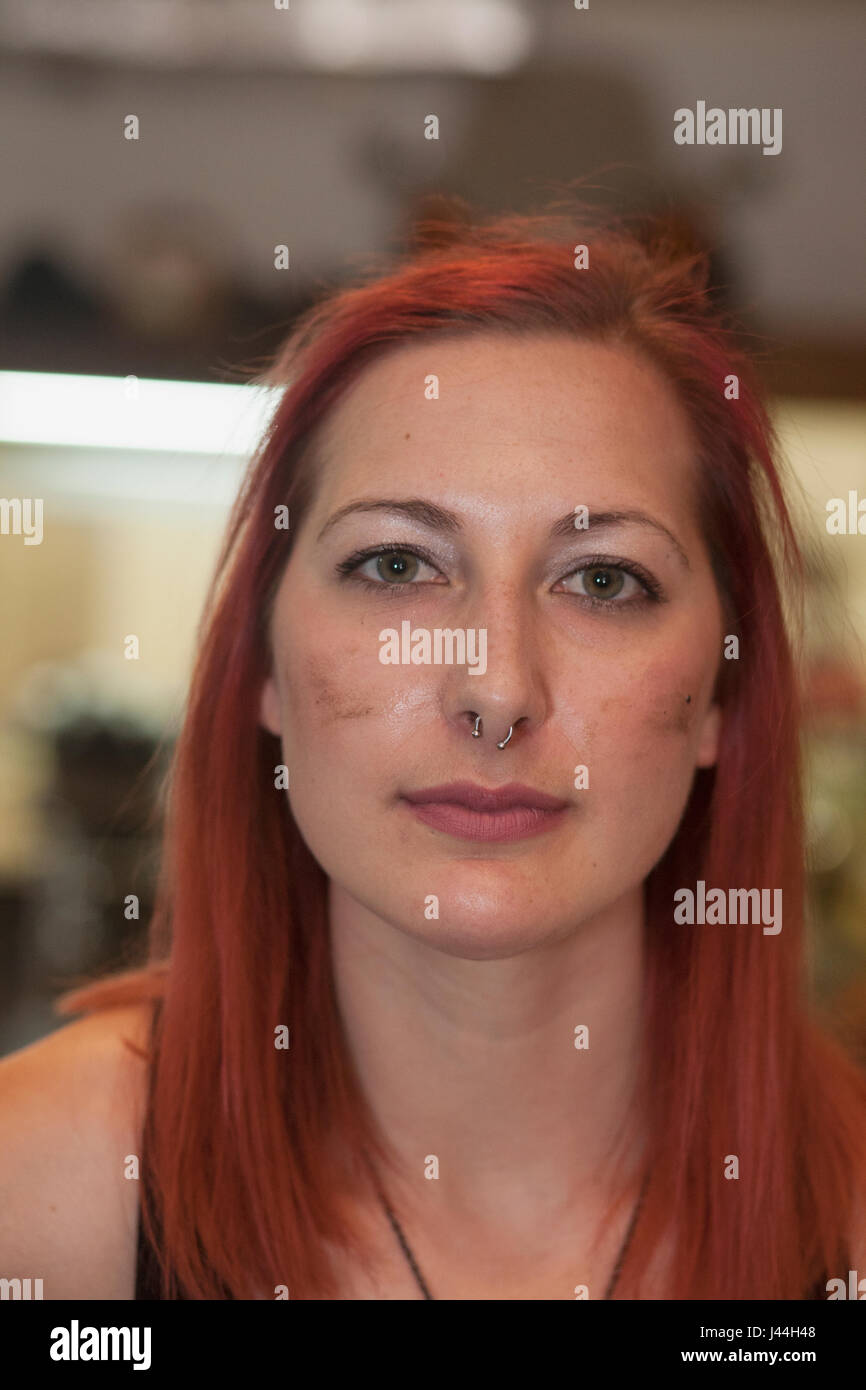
[(245, 1142)]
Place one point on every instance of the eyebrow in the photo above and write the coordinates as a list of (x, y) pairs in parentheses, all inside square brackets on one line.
[(437, 518), (623, 517)]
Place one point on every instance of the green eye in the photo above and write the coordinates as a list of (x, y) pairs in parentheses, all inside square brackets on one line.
[(601, 581), (397, 566), (611, 583), (389, 567)]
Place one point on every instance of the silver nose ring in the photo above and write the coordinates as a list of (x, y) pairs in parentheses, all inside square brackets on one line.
[(479, 728)]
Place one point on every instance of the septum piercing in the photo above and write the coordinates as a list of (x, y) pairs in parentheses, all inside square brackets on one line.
[(477, 732)]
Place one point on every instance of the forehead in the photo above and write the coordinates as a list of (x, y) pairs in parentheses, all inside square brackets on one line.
[(522, 418)]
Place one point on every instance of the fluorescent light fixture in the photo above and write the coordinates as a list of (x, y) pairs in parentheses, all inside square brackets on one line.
[(482, 36), (106, 412), (487, 36)]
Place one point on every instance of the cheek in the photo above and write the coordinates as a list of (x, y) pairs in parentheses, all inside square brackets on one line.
[(641, 761), (672, 711), (644, 715), (329, 698), (337, 692), (327, 688)]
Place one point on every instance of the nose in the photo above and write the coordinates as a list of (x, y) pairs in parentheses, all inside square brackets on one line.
[(506, 702)]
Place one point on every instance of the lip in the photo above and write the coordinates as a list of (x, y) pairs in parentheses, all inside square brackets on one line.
[(472, 812)]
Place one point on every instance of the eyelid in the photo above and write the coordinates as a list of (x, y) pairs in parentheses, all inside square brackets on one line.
[(619, 562), (359, 557)]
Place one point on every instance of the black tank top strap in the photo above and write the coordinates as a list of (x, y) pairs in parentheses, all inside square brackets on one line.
[(148, 1275), (148, 1271)]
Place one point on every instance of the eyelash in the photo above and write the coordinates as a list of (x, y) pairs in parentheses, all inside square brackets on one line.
[(652, 589)]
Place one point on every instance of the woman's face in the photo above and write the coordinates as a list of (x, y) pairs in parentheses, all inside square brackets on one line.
[(602, 641)]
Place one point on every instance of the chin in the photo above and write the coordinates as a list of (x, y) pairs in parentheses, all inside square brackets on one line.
[(473, 940), (490, 925)]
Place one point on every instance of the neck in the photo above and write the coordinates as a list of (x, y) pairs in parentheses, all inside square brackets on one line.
[(474, 1061)]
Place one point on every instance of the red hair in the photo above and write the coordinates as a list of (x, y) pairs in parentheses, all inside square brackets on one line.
[(243, 1142)]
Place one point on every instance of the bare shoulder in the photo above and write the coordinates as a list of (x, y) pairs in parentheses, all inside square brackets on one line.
[(71, 1107)]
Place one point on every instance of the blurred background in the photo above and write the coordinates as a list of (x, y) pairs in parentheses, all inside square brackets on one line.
[(156, 153)]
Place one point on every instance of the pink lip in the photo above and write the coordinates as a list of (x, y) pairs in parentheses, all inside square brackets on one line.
[(470, 812)]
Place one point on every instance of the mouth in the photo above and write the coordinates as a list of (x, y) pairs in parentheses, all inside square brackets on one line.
[(471, 812)]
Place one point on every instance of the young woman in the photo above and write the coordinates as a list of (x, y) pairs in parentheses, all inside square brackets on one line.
[(477, 970)]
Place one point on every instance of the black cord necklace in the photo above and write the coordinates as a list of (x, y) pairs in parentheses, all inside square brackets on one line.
[(419, 1278)]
